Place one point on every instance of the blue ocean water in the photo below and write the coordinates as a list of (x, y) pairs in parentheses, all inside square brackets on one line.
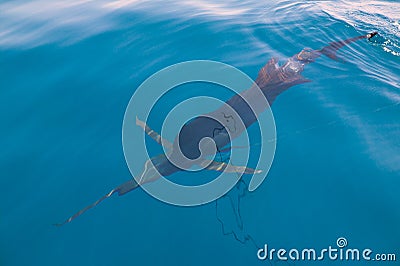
[(69, 68)]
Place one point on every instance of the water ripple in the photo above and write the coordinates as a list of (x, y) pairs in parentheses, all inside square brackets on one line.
[(382, 16)]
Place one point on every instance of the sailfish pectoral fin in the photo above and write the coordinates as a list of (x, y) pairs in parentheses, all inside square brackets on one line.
[(228, 168), (154, 135)]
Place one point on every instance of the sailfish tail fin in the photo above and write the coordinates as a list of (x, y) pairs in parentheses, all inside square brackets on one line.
[(331, 49), (121, 190)]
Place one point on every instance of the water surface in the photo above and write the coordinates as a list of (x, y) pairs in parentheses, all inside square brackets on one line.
[(69, 68)]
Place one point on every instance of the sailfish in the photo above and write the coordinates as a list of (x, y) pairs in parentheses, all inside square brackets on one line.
[(273, 79)]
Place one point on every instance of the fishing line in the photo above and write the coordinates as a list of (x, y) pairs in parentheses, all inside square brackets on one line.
[(236, 206), (239, 191), (336, 121), (316, 126)]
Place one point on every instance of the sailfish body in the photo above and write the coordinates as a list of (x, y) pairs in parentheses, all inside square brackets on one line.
[(272, 79)]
